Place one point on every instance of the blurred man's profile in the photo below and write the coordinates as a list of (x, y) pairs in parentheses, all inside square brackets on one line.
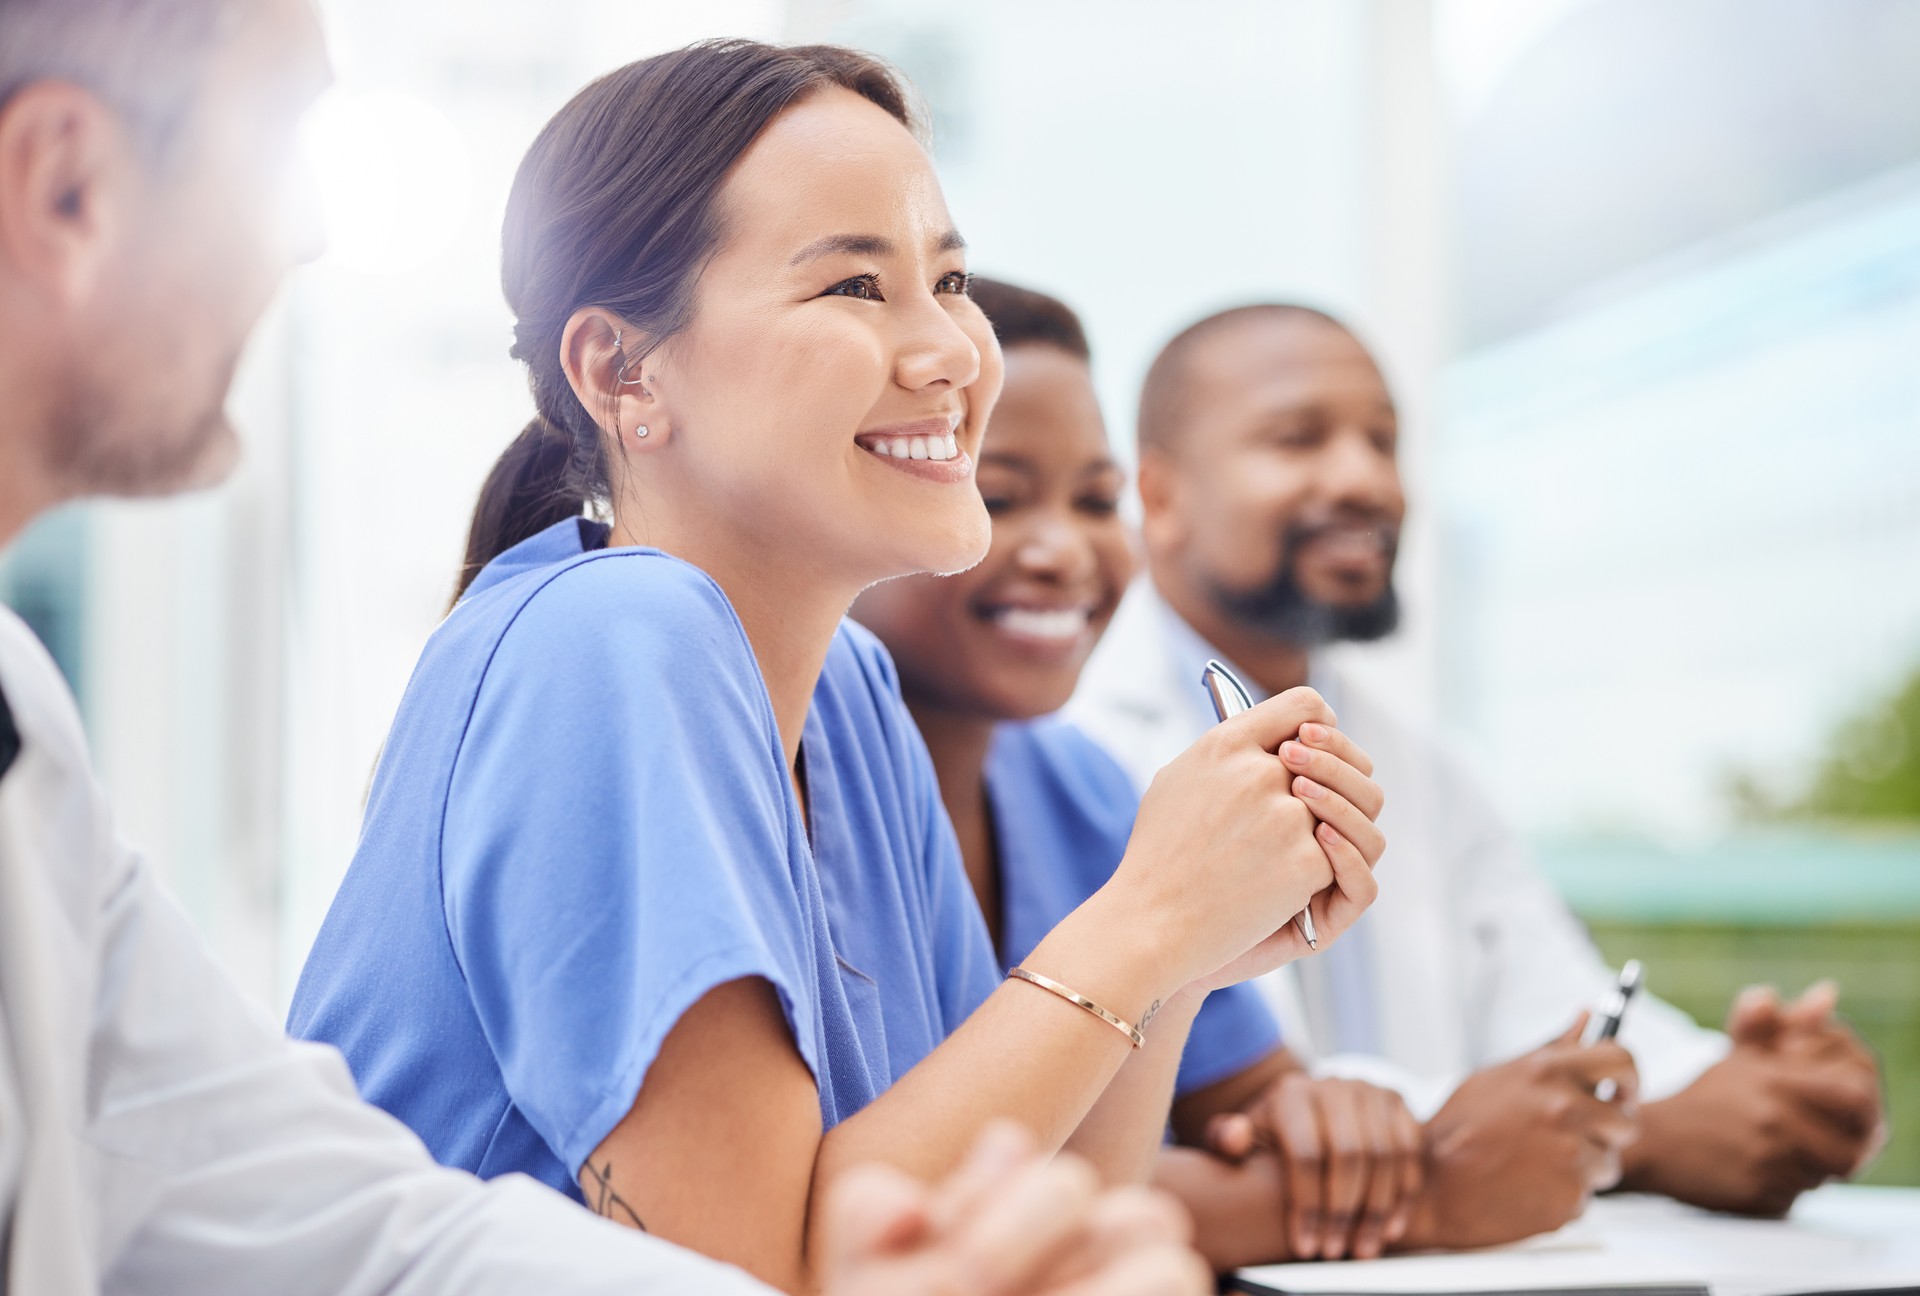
[(158, 1133), (1272, 507)]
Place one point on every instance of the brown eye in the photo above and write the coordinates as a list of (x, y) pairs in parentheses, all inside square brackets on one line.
[(958, 282), (864, 287)]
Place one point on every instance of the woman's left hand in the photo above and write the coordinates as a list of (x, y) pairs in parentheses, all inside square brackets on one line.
[(1333, 778)]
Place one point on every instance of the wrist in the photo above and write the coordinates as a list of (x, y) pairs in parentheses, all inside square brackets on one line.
[(1640, 1169), (1112, 954), (1426, 1231)]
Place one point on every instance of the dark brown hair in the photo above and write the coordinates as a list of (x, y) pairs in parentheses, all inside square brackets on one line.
[(1021, 315), (617, 205)]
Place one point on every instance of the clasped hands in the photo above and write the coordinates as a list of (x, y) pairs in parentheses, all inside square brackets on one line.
[(1518, 1149)]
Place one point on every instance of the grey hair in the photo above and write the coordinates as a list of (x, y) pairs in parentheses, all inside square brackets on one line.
[(145, 58)]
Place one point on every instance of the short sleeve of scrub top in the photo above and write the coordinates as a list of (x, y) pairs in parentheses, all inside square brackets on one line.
[(582, 823), (1063, 810)]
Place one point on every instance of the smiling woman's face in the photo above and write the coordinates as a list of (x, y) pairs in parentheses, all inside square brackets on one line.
[(1007, 639), (826, 403)]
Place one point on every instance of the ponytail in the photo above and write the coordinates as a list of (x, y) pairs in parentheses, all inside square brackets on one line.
[(535, 483)]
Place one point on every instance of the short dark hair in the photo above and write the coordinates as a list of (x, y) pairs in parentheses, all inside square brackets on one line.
[(617, 205), (1020, 316), (146, 58), (1163, 395)]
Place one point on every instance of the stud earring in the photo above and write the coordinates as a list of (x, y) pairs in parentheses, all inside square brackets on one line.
[(641, 430)]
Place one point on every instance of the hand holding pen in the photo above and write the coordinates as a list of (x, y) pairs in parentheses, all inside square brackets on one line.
[(1332, 777), (1318, 750)]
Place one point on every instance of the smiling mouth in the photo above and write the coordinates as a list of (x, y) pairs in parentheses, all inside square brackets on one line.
[(1049, 625), (927, 439)]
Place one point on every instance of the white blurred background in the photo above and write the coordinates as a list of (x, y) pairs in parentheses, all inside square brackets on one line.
[(1645, 275)]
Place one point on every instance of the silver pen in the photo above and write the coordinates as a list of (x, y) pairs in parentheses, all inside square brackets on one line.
[(1607, 1024), (1230, 698)]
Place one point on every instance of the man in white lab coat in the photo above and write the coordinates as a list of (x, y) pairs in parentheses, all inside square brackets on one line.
[(1272, 508), (157, 1133)]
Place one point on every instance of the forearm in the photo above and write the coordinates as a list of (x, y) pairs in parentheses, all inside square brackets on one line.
[(1239, 1211), (1122, 1136), (1033, 1057)]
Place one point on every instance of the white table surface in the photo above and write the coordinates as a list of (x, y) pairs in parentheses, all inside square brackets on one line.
[(1838, 1238)]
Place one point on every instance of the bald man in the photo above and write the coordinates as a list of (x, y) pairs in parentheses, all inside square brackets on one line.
[(1272, 507), (157, 1133)]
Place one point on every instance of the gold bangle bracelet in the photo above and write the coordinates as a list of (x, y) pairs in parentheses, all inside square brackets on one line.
[(1079, 1000)]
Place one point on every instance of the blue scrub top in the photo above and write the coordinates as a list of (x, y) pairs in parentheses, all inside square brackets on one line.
[(1062, 813), (582, 822)]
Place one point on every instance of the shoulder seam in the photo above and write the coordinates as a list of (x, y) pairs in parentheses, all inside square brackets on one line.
[(446, 790)]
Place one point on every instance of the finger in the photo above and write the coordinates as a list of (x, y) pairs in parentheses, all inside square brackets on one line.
[(1572, 1034), (1347, 1164), (1334, 742), (1755, 1016), (1590, 1065), (1383, 1181), (1031, 1224), (1002, 1148), (1814, 1008), (1124, 1221), (1604, 1124), (872, 1211), (1330, 808), (1354, 886), (1279, 718), (1231, 1136), (1825, 1151), (1336, 774), (1296, 1127), (1842, 1096), (1411, 1141), (1831, 1041)]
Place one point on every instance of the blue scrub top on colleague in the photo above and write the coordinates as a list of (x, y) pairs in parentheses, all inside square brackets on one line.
[(1063, 810), (582, 822)]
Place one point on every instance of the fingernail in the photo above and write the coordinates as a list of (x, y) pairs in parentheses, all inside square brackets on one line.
[(1294, 754), (1327, 834), (1313, 733), (1306, 787)]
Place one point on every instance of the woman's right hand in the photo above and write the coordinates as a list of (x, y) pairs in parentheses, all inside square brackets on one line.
[(1235, 836)]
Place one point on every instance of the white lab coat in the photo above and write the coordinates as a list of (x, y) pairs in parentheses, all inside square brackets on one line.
[(158, 1134), (1475, 958)]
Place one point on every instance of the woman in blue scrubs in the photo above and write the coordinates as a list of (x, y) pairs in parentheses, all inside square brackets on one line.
[(655, 898), (1043, 815)]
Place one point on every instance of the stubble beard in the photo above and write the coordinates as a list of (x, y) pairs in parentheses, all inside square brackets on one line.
[(1281, 610), (97, 447)]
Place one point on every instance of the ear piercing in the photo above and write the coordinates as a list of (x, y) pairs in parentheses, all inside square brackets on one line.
[(641, 430)]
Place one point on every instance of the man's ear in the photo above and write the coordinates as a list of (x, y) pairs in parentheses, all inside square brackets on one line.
[(67, 172), (1162, 520), (602, 357)]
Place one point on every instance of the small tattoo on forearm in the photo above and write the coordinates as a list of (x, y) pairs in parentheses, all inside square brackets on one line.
[(603, 1200), (1146, 1019)]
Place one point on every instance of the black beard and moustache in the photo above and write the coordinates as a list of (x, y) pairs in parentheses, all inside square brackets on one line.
[(1281, 610)]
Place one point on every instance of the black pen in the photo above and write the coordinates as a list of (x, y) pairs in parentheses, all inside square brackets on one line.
[(1230, 698), (1607, 1024)]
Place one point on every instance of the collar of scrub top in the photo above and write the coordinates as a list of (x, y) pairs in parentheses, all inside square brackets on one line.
[(9, 737)]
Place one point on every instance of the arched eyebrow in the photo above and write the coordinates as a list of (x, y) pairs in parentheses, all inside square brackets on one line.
[(868, 245)]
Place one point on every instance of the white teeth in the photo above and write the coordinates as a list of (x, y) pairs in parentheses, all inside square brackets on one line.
[(1064, 623), (919, 447)]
